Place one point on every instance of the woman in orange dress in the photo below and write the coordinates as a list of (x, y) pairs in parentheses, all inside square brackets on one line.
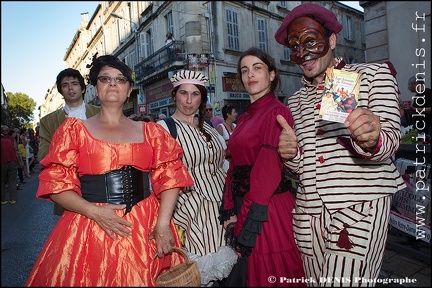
[(99, 170)]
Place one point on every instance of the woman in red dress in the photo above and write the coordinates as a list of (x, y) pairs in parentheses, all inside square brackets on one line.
[(99, 169), (258, 198)]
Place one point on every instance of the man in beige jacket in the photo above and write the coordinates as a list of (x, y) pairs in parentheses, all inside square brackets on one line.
[(70, 84)]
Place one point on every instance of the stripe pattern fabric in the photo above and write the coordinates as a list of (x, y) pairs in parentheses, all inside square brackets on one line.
[(197, 208), (329, 172), (344, 193)]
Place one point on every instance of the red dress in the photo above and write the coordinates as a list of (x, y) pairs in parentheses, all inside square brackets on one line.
[(254, 193), (78, 252)]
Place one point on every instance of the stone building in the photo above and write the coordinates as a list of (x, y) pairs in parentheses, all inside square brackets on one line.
[(399, 31)]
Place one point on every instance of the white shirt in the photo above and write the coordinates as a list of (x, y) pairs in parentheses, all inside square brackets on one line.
[(77, 112)]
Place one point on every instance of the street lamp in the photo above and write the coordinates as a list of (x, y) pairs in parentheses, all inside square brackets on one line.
[(135, 30)]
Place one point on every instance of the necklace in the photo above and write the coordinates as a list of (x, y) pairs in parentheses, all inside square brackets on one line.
[(230, 126)]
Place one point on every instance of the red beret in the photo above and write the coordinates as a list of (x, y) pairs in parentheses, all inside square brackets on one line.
[(323, 15)]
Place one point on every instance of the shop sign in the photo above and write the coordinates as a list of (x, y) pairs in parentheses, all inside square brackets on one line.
[(159, 92), (411, 206), (142, 108), (238, 96), (140, 99), (231, 84), (416, 229), (160, 103)]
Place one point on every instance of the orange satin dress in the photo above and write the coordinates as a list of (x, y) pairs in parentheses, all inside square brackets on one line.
[(78, 252)]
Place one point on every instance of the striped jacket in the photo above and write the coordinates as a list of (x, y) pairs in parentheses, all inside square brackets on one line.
[(332, 169)]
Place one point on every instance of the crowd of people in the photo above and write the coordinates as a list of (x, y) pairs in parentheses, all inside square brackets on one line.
[(22, 151), (130, 188)]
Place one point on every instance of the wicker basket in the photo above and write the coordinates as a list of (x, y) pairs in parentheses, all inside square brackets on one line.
[(182, 275)]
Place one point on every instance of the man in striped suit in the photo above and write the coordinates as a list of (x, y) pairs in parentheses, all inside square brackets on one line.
[(347, 178)]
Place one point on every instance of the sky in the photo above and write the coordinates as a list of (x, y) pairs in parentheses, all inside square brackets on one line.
[(34, 38)]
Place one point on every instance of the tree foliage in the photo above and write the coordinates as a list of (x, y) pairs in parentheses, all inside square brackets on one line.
[(21, 108)]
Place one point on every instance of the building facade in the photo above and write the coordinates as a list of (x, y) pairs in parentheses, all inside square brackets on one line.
[(406, 43), (209, 37)]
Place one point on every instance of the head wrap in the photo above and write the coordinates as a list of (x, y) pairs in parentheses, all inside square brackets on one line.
[(189, 77), (321, 14)]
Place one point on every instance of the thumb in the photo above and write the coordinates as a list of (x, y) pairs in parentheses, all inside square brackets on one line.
[(151, 236), (284, 124)]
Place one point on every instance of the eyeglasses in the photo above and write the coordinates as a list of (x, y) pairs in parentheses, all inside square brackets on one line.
[(209, 109), (107, 79)]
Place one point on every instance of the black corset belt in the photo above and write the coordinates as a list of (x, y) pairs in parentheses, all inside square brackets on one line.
[(126, 185), (240, 181)]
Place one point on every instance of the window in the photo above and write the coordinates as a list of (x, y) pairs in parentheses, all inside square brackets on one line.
[(127, 62), (262, 34), (148, 42), (120, 31), (232, 27), (169, 23), (283, 4), (286, 55), (348, 24), (115, 39), (131, 59)]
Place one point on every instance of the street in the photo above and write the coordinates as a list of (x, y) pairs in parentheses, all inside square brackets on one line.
[(25, 226)]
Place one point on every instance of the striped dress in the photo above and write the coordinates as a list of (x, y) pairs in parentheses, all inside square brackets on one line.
[(344, 190), (197, 208)]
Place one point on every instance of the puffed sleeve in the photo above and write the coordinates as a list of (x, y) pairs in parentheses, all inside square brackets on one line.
[(59, 172), (168, 170)]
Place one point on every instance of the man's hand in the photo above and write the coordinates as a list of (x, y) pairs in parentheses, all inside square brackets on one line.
[(287, 146), (364, 128)]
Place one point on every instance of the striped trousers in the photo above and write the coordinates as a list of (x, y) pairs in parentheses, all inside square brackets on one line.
[(344, 248)]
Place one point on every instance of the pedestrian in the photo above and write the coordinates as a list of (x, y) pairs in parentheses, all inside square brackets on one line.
[(161, 117), (99, 170), (214, 120), (33, 145), (346, 174), (197, 208), (227, 127), (9, 167), (169, 43), (169, 38), (258, 198), (70, 84), (27, 158), (16, 135)]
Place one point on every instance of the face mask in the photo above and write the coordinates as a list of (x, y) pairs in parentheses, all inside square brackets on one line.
[(306, 40)]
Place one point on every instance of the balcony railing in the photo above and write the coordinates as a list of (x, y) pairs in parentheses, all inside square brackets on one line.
[(164, 57)]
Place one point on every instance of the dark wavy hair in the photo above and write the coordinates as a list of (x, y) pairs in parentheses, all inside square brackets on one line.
[(201, 109), (267, 59), (69, 72), (227, 109), (110, 61)]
